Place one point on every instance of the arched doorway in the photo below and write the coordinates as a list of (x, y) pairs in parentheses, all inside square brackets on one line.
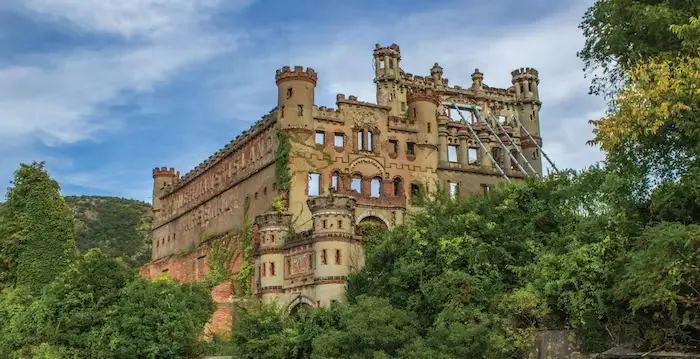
[(300, 310), (371, 224)]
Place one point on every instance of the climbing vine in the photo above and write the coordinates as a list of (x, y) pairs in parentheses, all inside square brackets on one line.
[(241, 284), (282, 175)]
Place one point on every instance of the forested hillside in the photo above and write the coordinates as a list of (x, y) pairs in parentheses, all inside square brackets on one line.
[(120, 227)]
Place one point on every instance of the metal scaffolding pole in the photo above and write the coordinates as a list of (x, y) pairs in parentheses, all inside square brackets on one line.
[(453, 105), (503, 145), (510, 139), (536, 144)]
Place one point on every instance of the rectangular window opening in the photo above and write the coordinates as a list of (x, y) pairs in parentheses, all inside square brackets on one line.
[(453, 190), (410, 148), (393, 146), (314, 184), (473, 155), (289, 92), (272, 268), (369, 141), (360, 140), (338, 259), (452, 153), (324, 257), (338, 140), (300, 110), (320, 138)]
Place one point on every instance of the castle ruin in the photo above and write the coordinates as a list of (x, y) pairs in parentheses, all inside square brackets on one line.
[(311, 177)]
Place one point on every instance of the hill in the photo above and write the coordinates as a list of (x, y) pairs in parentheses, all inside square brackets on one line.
[(120, 227)]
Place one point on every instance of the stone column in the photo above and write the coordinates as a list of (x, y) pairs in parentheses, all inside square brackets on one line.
[(463, 157), (443, 147)]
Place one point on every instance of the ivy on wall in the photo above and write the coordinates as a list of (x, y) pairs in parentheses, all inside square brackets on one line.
[(282, 175)]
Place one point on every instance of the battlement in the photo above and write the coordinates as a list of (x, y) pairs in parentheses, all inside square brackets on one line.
[(353, 100), (165, 172), (524, 72), (331, 202), (298, 73), (273, 219), (392, 50), (423, 95)]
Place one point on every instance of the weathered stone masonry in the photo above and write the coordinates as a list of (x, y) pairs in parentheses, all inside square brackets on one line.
[(347, 166)]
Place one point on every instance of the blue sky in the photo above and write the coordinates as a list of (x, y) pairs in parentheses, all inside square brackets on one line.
[(105, 90)]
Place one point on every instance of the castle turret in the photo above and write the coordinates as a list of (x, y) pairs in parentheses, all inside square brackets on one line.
[(422, 108), (526, 81), (387, 73), (338, 253), (436, 74), (162, 177), (270, 268), (477, 80), (295, 97)]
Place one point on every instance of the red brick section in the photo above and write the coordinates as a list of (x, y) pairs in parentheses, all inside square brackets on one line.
[(192, 267)]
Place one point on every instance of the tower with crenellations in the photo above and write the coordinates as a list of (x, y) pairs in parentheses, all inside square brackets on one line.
[(312, 178)]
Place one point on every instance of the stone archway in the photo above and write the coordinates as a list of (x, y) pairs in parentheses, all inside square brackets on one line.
[(300, 310), (300, 306), (371, 223)]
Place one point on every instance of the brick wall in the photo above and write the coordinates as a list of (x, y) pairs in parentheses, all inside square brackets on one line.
[(193, 266)]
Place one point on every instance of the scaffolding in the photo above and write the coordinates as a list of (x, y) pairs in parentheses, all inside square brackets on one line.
[(539, 148), (459, 108), (476, 111), (498, 138), (515, 146)]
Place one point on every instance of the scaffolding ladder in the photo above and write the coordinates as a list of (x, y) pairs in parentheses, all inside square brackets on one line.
[(452, 105), (517, 149), (520, 125)]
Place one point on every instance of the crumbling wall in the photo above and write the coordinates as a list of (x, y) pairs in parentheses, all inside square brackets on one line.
[(191, 267)]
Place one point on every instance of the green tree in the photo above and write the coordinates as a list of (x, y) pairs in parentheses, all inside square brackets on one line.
[(36, 230), (371, 328), (156, 319), (622, 33), (263, 330)]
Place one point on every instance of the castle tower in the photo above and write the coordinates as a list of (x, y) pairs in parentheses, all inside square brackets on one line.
[(295, 98), (422, 108), (526, 81), (162, 177), (387, 73), (336, 249), (270, 268)]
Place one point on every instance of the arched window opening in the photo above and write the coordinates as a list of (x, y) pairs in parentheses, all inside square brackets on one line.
[(375, 187), (356, 184), (397, 186)]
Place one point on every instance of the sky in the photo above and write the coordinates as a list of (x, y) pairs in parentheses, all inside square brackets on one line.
[(106, 90)]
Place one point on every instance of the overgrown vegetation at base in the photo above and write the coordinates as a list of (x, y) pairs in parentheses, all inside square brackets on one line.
[(90, 306), (120, 227)]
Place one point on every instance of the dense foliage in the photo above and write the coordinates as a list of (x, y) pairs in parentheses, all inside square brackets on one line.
[(37, 233), (120, 227), (55, 304)]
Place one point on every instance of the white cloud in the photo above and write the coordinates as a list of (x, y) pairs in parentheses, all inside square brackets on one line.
[(150, 18)]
